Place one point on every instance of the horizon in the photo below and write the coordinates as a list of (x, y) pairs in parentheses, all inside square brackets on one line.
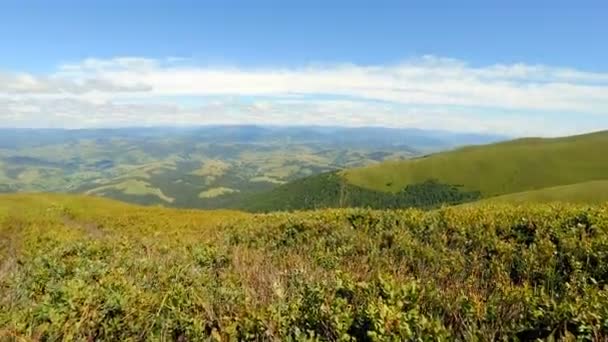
[(533, 70), (502, 137)]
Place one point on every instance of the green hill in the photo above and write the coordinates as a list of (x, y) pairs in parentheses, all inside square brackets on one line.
[(586, 192), (497, 169), (85, 268), (523, 167)]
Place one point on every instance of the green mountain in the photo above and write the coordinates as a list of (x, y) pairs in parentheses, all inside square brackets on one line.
[(539, 169)]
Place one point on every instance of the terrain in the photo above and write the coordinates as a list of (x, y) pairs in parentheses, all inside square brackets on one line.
[(592, 192), (475, 257), (201, 167), (264, 169), (569, 169), (87, 268), (498, 169)]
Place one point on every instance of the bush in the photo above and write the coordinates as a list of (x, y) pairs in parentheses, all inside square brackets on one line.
[(464, 273)]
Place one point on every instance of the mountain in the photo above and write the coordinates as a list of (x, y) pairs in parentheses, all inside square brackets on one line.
[(540, 169), (198, 167)]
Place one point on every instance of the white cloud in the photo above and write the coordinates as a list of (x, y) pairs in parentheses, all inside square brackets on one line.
[(22, 83), (422, 92)]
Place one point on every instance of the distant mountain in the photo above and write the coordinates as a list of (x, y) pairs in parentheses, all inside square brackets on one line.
[(202, 167), (533, 169), (417, 139)]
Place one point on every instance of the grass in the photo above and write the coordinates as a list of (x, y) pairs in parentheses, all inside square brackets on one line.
[(86, 268), (29, 175), (497, 169), (133, 187), (144, 171), (212, 169), (215, 192), (266, 179), (593, 192)]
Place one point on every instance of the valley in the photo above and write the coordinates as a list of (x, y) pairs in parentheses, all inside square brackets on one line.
[(205, 167)]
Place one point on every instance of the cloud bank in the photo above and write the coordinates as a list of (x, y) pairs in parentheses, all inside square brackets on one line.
[(428, 92)]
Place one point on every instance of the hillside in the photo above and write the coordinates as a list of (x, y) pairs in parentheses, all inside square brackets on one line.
[(593, 192), (85, 268), (561, 169), (497, 169)]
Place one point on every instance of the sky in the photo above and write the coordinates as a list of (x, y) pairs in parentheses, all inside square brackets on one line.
[(514, 67)]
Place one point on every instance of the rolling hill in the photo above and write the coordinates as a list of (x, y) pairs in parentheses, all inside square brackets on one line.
[(198, 167), (569, 168)]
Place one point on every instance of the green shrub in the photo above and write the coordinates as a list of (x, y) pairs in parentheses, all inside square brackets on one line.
[(114, 272)]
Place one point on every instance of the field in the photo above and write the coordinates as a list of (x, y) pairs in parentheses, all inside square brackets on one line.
[(86, 268), (497, 169), (584, 193)]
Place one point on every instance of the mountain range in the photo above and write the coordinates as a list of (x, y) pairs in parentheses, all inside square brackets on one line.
[(200, 167)]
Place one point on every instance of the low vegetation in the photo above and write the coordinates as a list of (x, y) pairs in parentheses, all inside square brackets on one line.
[(586, 192), (82, 268), (132, 187), (215, 192)]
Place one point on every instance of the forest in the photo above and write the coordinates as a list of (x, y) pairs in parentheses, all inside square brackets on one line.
[(330, 190)]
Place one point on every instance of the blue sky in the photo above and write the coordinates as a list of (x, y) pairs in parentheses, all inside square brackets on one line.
[(516, 67)]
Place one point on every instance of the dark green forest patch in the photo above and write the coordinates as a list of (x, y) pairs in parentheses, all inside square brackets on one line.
[(329, 190)]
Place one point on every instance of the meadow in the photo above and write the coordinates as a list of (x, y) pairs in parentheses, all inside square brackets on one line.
[(583, 193), (497, 169), (87, 268)]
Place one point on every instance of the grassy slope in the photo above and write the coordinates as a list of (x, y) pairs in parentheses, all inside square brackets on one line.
[(85, 268), (586, 192), (502, 168), (133, 187)]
